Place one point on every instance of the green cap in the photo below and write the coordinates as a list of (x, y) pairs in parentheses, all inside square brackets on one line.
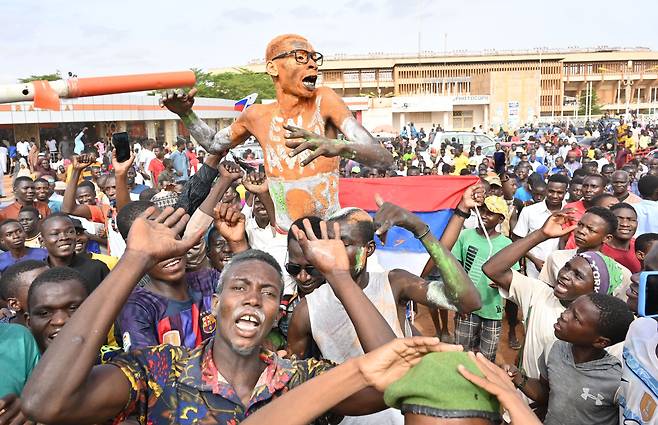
[(435, 388)]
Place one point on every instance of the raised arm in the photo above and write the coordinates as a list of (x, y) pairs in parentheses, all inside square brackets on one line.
[(59, 393), (455, 292), (121, 176), (329, 256), (498, 267), (217, 142), (256, 183), (69, 206)]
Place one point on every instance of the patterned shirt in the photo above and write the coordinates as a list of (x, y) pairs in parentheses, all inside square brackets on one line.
[(150, 319), (175, 385)]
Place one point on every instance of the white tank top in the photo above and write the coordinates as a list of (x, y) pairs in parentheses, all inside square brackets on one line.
[(336, 337)]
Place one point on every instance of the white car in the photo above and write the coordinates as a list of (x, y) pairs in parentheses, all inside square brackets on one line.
[(465, 138)]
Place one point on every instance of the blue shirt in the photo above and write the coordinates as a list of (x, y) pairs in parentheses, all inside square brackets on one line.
[(181, 164), (6, 259), (79, 145), (522, 194)]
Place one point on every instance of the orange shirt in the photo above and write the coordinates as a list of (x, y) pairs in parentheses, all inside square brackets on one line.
[(12, 210)]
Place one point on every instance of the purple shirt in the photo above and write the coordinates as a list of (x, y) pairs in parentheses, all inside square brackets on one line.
[(6, 259)]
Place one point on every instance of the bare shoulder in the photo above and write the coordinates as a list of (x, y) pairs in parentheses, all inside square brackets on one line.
[(257, 112), (400, 278)]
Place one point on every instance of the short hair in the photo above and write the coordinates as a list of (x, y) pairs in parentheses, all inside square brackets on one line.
[(604, 179), (55, 275), (181, 142), (147, 194), (363, 229), (250, 255), (7, 221), (647, 185), (87, 183), (597, 199), (10, 280), (580, 173), (608, 166), (128, 214), (538, 185), (624, 206), (22, 179), (559, 178), (54, 216), (276, 44), (644, 241), (614, 317), (29, 208), (41, 180), (607, 216), (315, 225)]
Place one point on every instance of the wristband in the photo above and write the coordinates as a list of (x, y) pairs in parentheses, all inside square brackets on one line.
[(523, 382), (462, 214), (427, 230)]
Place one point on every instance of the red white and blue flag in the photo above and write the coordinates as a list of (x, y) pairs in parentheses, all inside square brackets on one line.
[(431, 198), (246, 102)]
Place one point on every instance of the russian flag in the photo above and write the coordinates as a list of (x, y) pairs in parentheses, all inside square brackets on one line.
[(431, 198), (246, 102)]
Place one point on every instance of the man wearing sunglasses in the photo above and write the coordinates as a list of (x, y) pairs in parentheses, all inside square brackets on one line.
[(298, 133)]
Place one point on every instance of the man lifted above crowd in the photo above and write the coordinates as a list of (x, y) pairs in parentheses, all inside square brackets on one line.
[(303, 174)]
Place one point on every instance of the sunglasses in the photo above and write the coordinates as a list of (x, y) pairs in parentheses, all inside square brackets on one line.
[(302, 56), (294, 269)]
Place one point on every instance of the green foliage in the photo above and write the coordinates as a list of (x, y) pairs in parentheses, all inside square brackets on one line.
[(48, 77), (582, 101), (234, 85)]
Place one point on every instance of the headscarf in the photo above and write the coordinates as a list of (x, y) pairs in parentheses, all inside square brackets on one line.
[(606, 271)]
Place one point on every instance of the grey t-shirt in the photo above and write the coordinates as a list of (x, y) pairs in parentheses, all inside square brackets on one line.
[(584, 393)]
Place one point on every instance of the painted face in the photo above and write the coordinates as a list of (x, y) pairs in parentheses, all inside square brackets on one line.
[(219, 253), (591, 231), (24, 192), (358, 251), (627, 226), (578, 324), (307, 277), (54, 304), (555, 193), (592, 186), (294, 78), (248, 305), (574, 279), (12, 236), (42, 191), (110, 188), (85, 195), (29, 221), (58, 237)]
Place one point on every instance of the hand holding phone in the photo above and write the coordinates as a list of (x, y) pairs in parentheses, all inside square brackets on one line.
[(121, 143)]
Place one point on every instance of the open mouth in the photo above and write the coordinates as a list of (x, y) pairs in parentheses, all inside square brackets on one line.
[(309, 82), (248, 324), (54, 334), (172, 263), (65, 246), (561, 288)]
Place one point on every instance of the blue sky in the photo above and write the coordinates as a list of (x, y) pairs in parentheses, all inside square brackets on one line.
[(92, 38)]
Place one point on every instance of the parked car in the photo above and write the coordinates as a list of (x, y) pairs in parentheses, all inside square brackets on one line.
[(465, 138)]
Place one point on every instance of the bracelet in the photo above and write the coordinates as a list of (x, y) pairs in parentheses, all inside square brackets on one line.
[(462, 214), (427, 230), (523, 382)]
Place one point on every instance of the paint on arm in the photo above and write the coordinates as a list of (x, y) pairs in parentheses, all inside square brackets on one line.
[(361, 146), (437, 296), (211, 140)]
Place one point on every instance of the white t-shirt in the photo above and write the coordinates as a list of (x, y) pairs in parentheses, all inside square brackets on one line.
[(638, 398), (23, 148), (540, 310), (533, 218), (52, 145)]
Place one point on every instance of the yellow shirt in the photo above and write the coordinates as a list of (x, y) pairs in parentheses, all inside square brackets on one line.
[(109, 261), (461, 162)]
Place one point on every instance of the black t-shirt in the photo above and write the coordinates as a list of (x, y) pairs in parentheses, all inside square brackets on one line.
[(94, 271)]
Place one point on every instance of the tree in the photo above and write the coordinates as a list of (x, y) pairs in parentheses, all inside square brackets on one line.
[(582, 102), (48, 77), (234, 85)]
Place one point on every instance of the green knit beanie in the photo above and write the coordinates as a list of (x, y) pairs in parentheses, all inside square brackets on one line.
[(435, 388)]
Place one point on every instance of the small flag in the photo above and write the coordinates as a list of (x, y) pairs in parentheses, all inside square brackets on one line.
[(246, 102)]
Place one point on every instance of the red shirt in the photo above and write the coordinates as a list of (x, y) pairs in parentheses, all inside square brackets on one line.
[(156, 167), (194, 162), (625, 257)]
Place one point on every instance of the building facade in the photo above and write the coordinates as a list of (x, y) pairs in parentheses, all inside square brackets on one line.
[(463, 90)]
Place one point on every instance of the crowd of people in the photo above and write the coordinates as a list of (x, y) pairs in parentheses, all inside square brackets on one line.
[(194, 286)]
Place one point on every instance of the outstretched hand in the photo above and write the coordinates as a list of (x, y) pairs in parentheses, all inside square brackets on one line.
[(177, 101), (328, 255), (230, 222), (390, 215), (559, 223), (255, 182), (156, 234), (388, 363), (82, 161), (121, 168), (307, 140)]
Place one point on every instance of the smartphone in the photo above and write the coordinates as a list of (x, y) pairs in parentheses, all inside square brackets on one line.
[(121, 143), (647, 302)]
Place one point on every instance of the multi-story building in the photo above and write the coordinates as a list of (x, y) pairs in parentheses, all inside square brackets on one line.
[(461, 90)]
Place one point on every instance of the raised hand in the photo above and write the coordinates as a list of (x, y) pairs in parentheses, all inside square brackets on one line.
[(559, 223), (121, 168), (307, 140), (156, 234), (385, 365), (326, 254), (473, 197), (255, 182), (230, 170), (390, 215), (80, 162), (177, 101), (230, 222)]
